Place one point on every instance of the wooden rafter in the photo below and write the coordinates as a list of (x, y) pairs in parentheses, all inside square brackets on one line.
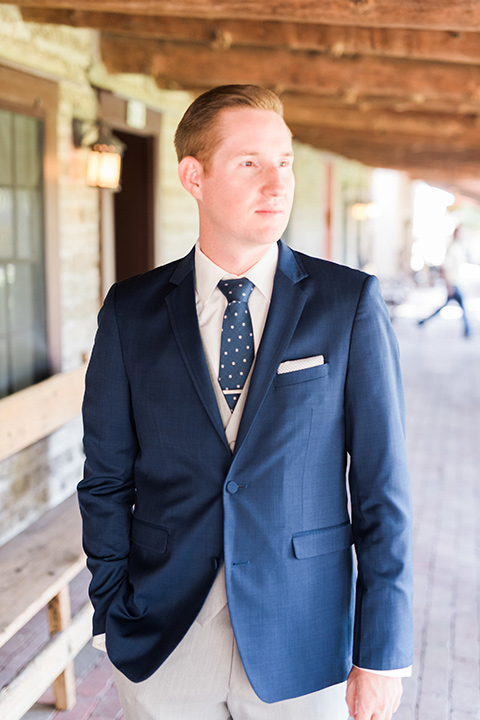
[(438, 14), (189, 65), (387, 83), (334, 40), (382, 152), (438, 128), (391, 145)]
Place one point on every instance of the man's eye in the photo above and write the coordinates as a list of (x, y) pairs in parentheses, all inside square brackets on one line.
[(247, 163)]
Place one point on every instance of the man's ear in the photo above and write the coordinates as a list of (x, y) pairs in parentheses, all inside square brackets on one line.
[(190, 172)]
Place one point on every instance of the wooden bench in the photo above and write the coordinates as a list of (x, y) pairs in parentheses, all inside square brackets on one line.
[(35, 570)]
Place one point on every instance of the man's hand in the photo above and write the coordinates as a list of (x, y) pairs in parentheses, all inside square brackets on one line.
[(371, 696)]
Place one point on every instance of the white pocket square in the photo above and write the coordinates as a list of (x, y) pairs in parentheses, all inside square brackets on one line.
[(300, 364)]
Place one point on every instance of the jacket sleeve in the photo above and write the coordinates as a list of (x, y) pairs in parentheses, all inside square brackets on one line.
[(380, 489), (106, 493)]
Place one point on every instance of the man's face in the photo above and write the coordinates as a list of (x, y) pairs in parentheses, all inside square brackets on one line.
[(246, 198)]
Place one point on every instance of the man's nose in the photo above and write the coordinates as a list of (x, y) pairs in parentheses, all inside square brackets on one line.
[(274, 182)]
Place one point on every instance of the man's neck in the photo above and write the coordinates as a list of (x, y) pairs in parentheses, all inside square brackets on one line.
[(234, 263)]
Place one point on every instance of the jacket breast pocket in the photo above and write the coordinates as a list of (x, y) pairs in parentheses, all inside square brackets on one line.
[(312, 543), (149, 536), (298, 376)]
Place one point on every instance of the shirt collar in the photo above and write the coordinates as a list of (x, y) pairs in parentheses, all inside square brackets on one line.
[(208, 274)]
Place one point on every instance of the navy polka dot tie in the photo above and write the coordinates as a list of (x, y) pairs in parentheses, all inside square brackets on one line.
[(236, 351)]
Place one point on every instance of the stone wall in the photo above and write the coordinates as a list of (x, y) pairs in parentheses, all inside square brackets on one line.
[(46, 473)]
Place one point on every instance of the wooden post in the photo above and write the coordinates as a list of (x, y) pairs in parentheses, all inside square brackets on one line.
[(328, 211), (59, 618)]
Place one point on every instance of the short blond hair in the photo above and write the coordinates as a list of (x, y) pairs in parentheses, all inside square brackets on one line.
[(198, 134)]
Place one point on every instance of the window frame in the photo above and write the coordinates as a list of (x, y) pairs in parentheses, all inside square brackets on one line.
[(36, 96)]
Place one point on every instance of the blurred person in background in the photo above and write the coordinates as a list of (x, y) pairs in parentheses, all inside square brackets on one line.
[(451, 268)]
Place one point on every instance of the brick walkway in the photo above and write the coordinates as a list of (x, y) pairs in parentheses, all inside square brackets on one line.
[(442, 382)]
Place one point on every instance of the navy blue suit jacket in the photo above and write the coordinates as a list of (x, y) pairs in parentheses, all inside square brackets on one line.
[(164, 502)]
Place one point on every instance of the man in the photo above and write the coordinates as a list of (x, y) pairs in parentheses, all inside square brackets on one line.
[(214, 500), (451, 273)]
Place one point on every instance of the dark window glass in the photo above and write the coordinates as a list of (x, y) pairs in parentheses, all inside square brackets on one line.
[(23, 339)]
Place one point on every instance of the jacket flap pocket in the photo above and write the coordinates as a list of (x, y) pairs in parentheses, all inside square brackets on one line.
[(320, 542), (298, 376), (149, 536)]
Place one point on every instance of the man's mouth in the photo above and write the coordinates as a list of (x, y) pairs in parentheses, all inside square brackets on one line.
[(269, 211)]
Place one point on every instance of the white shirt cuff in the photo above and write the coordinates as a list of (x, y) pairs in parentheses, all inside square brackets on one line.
[(98, 642), (401, 672)]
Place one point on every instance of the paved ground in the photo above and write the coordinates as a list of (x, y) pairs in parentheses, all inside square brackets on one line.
[(442, 382)]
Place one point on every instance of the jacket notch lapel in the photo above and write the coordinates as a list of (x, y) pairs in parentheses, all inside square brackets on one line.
[(286, 307), (183, 317)]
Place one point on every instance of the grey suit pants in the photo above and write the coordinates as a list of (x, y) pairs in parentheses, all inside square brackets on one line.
[(204, 679)]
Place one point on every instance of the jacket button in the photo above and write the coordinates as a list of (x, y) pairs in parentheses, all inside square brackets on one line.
[(232, 487)]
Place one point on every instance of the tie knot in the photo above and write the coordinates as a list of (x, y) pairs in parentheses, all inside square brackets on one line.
[(236, 290)]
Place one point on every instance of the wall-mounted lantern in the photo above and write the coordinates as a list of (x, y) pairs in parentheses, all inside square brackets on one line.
[(106, 151)]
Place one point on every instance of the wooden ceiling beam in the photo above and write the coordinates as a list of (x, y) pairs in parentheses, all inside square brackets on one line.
[(335, 40), (388, 84), (464, 188), (385, 103), (454, 130), (390, 142), (429, 14), (448, 178), (398, 153), (191, 66)]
